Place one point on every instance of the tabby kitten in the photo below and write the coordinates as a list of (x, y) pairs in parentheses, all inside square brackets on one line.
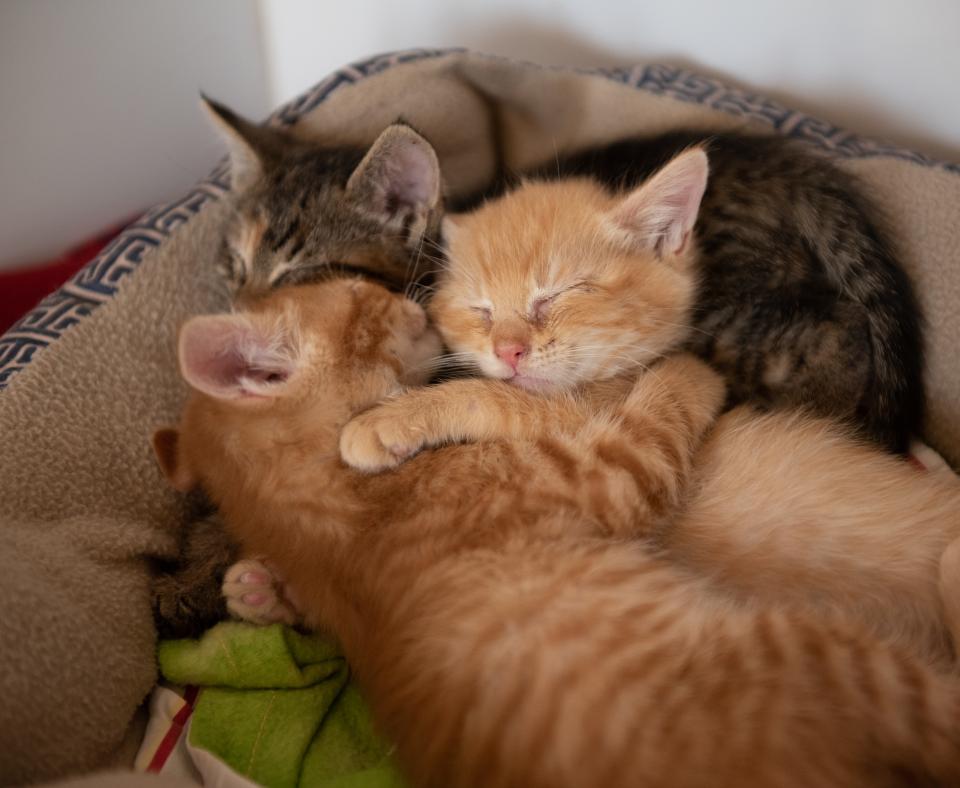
[(780, 277), (504, 624), (188, 593), (302, 209), (559, 283)]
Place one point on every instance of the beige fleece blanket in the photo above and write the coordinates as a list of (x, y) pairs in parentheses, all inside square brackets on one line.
[(91, 372)]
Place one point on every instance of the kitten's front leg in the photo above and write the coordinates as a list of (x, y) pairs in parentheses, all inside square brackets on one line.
[(646, 453), (682, 391), (460, 411), (664, 420)]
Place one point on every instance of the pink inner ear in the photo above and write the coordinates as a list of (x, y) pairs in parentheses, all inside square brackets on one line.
[(227, 357), (662, 212), (411, 176), (400, 173)]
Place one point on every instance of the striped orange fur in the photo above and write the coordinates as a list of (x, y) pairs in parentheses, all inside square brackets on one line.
[(504, 622), (783, 507), (791, 508)]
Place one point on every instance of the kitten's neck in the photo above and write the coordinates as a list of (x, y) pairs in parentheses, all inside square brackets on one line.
[(294, 501), (259, 469)]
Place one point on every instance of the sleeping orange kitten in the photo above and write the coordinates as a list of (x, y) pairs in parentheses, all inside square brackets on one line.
[(504, 622), (784, 507)]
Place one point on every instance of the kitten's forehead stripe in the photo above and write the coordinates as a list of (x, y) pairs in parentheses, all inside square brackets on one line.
[(247, 240), (278, 238), (278, 273)]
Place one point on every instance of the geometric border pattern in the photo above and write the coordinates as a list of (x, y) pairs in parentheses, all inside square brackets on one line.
[(689, 86), (97, 282)]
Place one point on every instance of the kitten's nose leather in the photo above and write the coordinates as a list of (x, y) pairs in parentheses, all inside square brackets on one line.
[(510, 353)]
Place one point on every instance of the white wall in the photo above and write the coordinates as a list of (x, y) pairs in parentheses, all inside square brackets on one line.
[(98, 99), (98, 109), (888, 68)]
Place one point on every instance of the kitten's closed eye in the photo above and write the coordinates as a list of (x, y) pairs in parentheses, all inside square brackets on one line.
[(285, 276), (485, 314), (232, 267), (540, 308), (298, 273)]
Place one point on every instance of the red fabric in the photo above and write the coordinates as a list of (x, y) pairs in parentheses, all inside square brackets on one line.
[(21, 289), (175, 730)]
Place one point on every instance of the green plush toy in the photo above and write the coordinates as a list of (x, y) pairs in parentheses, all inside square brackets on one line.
[(278, 706)]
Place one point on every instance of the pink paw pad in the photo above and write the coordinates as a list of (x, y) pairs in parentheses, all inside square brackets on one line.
[(252, 594)]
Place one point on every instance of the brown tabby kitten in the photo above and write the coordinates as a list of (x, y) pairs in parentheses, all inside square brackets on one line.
[(301, 210), (505, 625), (787, 508), (188, 595)]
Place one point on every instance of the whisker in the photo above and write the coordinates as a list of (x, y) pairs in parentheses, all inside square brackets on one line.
[(684, 325), (457, 365)]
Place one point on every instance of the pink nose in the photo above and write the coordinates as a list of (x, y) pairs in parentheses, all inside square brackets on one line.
[(511, 354)]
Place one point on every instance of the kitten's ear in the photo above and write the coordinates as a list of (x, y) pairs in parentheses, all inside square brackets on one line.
[(244, 142), (660, 214), (234, 357), (399, 177), (166, 446)]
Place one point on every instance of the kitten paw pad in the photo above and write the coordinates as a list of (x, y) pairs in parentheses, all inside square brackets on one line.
[(372, 442), (253, 594)]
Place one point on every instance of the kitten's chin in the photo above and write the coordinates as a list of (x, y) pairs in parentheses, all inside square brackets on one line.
[(539, 385)]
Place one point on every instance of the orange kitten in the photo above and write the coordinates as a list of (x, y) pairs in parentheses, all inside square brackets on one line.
[(783, 507), (787, 508), (502, 621), (548, 288)]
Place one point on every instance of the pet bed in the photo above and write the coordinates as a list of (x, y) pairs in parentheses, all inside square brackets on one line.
[(89, 373)]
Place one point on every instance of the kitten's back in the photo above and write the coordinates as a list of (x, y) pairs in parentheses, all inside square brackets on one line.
[(588, 664), (788, 508)]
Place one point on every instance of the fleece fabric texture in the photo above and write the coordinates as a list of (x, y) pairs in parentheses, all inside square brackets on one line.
[(123, 779), (82, 505), (278, 706)]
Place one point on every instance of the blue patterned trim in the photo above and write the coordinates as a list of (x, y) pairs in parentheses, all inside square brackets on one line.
[(683, 85), (98, 281), (290, 113)]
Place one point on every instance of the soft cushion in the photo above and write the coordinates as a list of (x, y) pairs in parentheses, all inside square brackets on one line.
[(91, 372)]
